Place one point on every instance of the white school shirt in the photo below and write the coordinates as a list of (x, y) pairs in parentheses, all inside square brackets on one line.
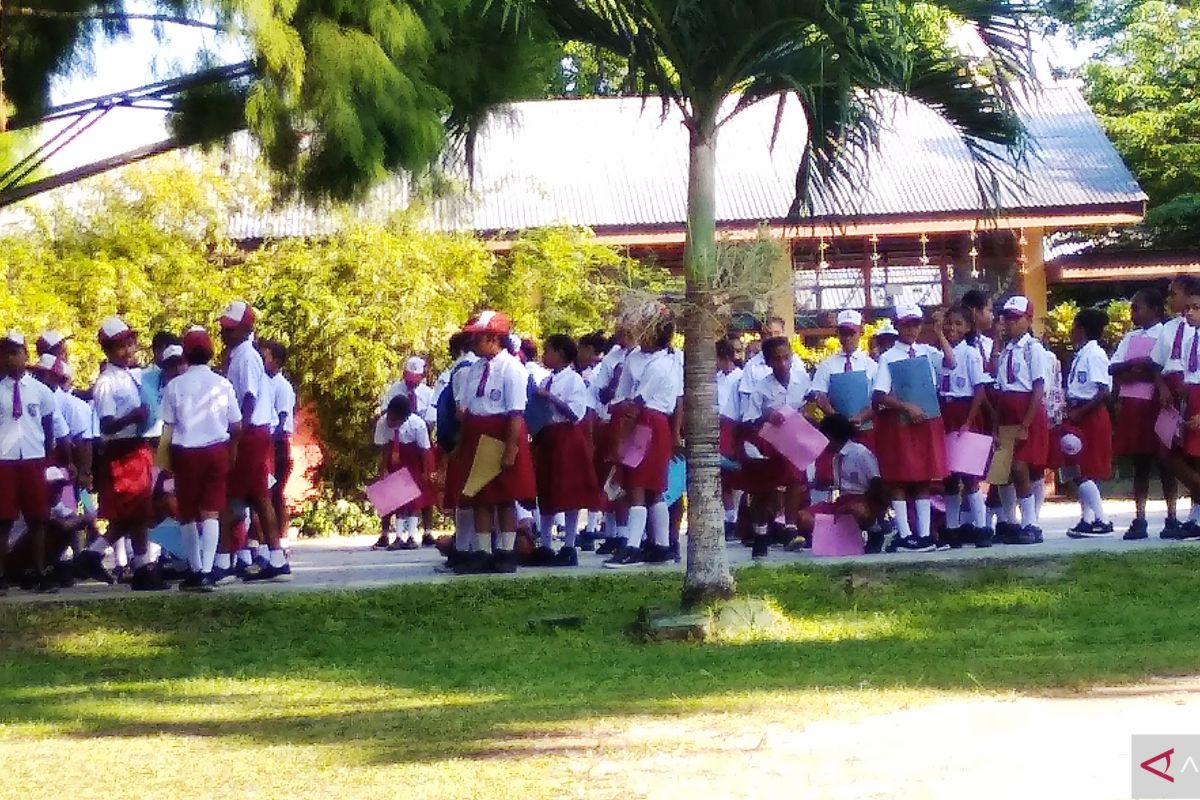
[(961, 380), (726, 399), (769, 393), (602, 377), (410, 430), (1030, 361), (757, 368), (1089, 371), (200, 405), (505, 389), (1162, 354), (568, 386), (78, 414), (1121, 354), (854, 468), (983, 346), (836, 365), (900, 351), (1191, 338), (443, 379), (631, 372), (24, 438), (115, 394), (659, 382), (248, 376), (537, 372), (285, 403), (422, 393)]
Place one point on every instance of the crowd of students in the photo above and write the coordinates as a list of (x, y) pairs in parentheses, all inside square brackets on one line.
[(590, 439), (175, 440)]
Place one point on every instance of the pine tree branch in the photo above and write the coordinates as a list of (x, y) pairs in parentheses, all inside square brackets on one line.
[(106, 16)]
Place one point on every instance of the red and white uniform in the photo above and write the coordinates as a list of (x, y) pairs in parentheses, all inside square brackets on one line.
[(957, 386), (255, 452), (126, 487), (1171, 351), (854, 467), (763, 469), (728, 408), (1191, 390), (200, 406), (1020, 366), (839, 363), (909, 452), (408, 447), (25, 404), (562, 454), (1088, 375), (650, 388), (1134, 428)]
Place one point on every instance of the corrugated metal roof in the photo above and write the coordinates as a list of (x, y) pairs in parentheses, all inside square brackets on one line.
[(618, 163)]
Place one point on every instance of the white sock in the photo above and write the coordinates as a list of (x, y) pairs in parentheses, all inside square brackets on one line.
[(731, 515), (593, 521), (547, 530), (1008, 502), (276, 557), (1089, 498), (660, 524), (210, 535), (464, 529), (976, 503), (924, 509), (990, 514), (244, 556), (100, 546), (560, 519), (190, 532), (900, 507), (141, 561), (737, 502), (1194, 516), (622, 531), (760, 530), (121, 552), (571, 523), (1028, 511), (223, 561), (508, 540), (262, 551), (953, 510), (610, 525), (411, 526), (1039, 494), (483, 542), (637, 526)]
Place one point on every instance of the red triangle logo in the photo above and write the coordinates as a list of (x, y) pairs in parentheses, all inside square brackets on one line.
[(1165, 755)]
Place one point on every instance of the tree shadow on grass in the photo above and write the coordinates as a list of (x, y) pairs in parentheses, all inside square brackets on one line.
[(416, 673)]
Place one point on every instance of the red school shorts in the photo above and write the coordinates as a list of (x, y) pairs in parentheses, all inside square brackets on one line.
[(23, 490), (254, 463), (201, 474), (126, 482)]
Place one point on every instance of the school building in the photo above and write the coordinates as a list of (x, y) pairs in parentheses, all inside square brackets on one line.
[(920, 220)]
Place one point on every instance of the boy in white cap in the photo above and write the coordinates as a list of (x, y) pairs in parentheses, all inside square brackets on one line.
[(420, 394), (204, 417), (126, 488), (26, 439), (252, 464), (274, 356), (52, 343)]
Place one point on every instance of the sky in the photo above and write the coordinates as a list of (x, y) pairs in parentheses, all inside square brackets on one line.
[(143, 58)]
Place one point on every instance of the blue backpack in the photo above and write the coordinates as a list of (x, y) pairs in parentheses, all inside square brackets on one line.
[(447, 424)]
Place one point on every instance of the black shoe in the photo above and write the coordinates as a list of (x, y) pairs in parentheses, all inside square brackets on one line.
[(1189, 530), (983, 537), (777, 532), (566, 557), (427, 540), (503, 561), (587, 542), (46, 584), (123, 574), (542, 556), (625, 557), (1079, 527), (396, 545), (1171, 529), (1137, 531), (382, 543), (1006, 533), (950, 538), (410, 544), (673, 552), (610, 545), (916, 544), (147, 579), (89, 566), (656, 554), (270, 574), (874, 541), (195, 582), (761, 547), (1028, 535), (64, 574), (731, 532), (474, 562)]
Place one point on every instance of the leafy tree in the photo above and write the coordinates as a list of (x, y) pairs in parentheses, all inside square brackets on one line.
[(835, 57)]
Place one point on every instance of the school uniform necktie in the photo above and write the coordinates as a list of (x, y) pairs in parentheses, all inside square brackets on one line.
[(16, 400), (487, 368), (1194, 358), (1011, 371), (945, 383), (848, 367), (912, 352), (1177, 346)]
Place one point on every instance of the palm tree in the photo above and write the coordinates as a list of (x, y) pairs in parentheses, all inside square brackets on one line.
[(838, 58)]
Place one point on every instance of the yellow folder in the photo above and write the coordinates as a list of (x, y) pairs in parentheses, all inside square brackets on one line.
[(1000, 470), (488, 457)]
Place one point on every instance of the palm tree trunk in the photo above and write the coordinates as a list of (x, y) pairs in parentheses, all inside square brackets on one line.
[(708, 576)]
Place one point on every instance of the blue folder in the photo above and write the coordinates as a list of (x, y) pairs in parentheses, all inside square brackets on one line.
[(676, 480), (849, 393), (912, 382)]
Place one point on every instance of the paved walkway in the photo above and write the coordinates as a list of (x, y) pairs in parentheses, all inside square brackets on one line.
[(349, 562)]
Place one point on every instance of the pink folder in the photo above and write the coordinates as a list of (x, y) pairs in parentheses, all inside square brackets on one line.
[(633, 449), (836, 536), (1139, 348), (796, 439), (968, 453), (392, 492), (1167, 426)]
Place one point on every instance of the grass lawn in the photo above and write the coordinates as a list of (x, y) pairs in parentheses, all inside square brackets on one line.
[(432, 691)]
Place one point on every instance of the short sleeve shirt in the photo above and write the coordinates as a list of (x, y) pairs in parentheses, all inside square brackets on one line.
[(899, 352), (856, 467), (409, 431), (1021, 364), (499, 385), (961, 380), (658, 383), (836, 364), (568, 386), (200, 405), (726, 399), (248, 376), (1171, 349), (24, 437), (769, 393), (285, 405), (1089, 372), (115, 394)]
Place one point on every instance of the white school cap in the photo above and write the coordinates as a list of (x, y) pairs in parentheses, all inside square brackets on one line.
[(415, 365), (113, 329), (849, 319), (1017, 306), (171, 351), (908, 311), (886, 328), (47, 362), (52, 338), (237, 313), (1071, 444), (14, 337)]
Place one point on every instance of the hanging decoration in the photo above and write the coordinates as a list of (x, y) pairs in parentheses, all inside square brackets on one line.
[(1022, 258), (924, 250), (974, 254), (822, 264)]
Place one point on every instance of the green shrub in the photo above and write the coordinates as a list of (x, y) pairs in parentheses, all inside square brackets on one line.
[(330, 513)]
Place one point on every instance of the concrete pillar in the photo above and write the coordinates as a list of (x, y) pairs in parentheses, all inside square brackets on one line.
[(1033, 280), (782, 301)]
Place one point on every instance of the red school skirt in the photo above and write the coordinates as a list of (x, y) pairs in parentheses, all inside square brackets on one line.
[(126, 485), (1010, 410), (604, 432), (200, 479), (955, 411), (562, 465), (1191, 408), (1095, 460), (1133, 433), (769, 473), (513, 484), (651, 474), (419, 463), (913, 453)]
